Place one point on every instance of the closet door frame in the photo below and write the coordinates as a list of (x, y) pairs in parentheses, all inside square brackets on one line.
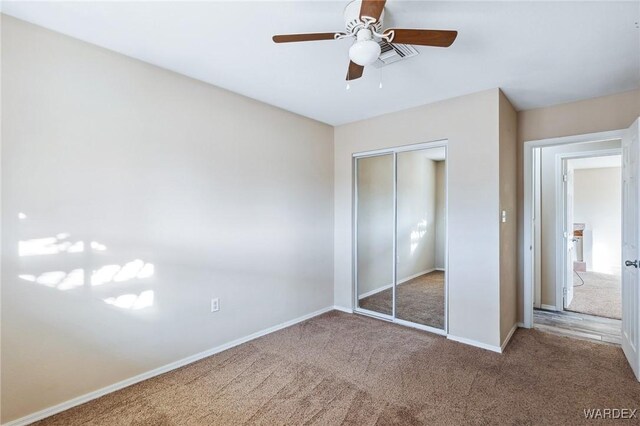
[(354, 245)]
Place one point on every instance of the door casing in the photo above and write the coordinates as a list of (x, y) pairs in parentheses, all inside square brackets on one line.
[(528, 244)]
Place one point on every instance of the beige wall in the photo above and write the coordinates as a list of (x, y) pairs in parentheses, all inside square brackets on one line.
[(598, 204), (226, 197), (589, 116), (508, 229), (470, 123), (193, 181)]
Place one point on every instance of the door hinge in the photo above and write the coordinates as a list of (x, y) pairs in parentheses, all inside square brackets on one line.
[(564, 177), (564, 291)]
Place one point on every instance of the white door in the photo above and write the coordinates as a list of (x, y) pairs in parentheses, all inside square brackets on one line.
[(630, 242), (568, 234)]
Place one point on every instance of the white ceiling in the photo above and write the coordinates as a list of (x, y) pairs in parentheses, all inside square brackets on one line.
[(539, 53)]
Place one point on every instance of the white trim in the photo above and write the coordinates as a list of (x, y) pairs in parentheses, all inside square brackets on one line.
[(47, 412), (520, 325), (559, 186), (508, 338), (422, 327), (475, 343), (536, 225), (549, 307), (373, 314), (394, 260), (415, 147), (375, 291), (528, 243), (410, 277), (584, 138), (343, 309)]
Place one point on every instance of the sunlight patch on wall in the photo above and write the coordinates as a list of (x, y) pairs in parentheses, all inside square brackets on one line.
[(132, 301), (57, 279), (116, 273), (97, 246), (49, 245), (417, 234), (136, 269), (55, 245)]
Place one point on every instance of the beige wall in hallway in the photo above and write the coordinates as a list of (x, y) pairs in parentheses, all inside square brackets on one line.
[(597, 203), (223, 195), (589, 116)]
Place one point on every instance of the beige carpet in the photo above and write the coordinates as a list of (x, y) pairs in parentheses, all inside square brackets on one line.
[(341, 369), (600, 295), (420, 300)]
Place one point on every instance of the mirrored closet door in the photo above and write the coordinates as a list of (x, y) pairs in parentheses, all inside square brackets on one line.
[(375, 212), (400, 232)]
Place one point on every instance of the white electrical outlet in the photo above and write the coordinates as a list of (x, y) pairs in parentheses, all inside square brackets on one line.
[(215, 305)]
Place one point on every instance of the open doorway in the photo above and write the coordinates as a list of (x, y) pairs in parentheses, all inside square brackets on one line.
[(577, 239), (593, 203), (624, 142)]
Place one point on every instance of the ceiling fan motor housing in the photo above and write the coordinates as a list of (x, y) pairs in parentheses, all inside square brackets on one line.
[(352, 18)]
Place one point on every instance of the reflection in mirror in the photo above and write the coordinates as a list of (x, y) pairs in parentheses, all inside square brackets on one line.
[(420, 283), (374, 221)]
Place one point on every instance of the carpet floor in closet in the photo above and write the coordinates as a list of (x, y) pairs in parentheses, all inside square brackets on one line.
[(342, 369), (419, 300)]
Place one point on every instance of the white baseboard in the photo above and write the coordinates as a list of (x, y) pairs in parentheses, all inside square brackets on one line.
[(39, 415), (404, 280), (343, 309), (548, 307), (475, 343), (508, 338), (377, 290), (409, 278)]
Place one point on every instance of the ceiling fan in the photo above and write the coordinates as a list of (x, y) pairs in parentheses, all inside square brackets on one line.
[(364, 23)]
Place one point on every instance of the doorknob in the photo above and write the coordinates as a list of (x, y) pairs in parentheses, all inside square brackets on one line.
[(630, 263)]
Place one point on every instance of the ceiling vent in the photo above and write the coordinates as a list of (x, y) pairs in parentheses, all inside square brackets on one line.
[(391, 53)]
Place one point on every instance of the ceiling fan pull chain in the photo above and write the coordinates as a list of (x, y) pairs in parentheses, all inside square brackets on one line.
[(380, 85)]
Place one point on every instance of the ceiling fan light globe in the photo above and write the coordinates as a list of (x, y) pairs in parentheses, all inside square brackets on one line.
[(364, 52)]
